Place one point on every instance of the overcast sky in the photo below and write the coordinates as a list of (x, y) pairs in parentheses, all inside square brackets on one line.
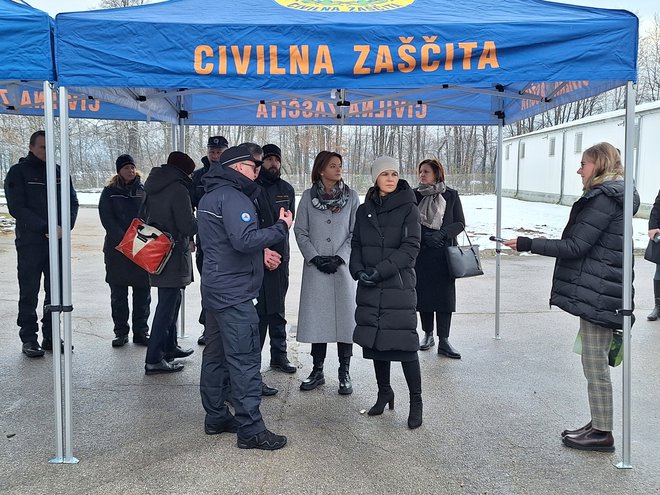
[(643, 8)]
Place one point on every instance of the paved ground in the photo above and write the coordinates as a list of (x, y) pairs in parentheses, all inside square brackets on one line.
[(491, 420)]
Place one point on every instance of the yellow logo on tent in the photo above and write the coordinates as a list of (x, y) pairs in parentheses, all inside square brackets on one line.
[(344, 5)]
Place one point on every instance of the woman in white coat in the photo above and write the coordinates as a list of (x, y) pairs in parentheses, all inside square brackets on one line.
[(323, 229)]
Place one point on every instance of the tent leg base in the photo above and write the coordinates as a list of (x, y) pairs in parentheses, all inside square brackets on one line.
[(623, 465), (59, 460)]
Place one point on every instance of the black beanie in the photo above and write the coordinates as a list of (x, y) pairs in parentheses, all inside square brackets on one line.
[(181, 161), (123, 160)]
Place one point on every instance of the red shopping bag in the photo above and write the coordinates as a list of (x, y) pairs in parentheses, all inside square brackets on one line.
[(146, 246)]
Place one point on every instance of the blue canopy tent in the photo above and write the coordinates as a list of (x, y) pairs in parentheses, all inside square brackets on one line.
[(293, 62)]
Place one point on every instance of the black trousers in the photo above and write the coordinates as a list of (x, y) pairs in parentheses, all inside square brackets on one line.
[(231, 364), (163, 328), (33, 263), (320, 350), (275, 326), (199, 261), (120, 312), (411, 371), (443, 322)]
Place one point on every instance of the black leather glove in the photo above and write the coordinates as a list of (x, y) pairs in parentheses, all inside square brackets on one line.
[(324, 264), (338, 259), (363, 279), (436, 239), (373, 275)]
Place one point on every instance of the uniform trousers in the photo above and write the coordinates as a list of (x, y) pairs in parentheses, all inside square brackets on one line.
[(596, 341), (231, 366), (33, 263)]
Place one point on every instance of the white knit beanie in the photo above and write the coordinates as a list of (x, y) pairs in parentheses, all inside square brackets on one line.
[(381, 164)]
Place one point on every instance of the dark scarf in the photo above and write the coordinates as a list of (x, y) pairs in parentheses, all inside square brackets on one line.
[(334, 200)]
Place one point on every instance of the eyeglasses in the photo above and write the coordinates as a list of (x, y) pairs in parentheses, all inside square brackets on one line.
[(254, 166)]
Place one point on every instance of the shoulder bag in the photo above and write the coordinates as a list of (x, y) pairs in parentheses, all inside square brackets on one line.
[(464, 261), (146, 246)]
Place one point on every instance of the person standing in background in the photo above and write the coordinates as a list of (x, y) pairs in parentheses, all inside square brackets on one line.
[(277, 194), (442, 220), (167, 207), (120, 203), (27, 201), (215, 147), (654, 231)]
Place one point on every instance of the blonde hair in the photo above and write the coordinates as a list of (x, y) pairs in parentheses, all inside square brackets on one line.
[(115, 180), (607, 164)]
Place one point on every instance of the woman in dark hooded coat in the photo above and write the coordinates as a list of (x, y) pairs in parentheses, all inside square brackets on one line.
[(119, 204), (384, 247)]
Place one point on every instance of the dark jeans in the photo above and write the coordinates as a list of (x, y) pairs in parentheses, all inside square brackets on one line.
[(33, 262), (163, 328), (120, 313), (320, 350), (231, 364), (275, 325)]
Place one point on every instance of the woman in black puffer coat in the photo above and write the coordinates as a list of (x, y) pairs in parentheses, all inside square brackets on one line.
[(119, 204), (588, 282), (384, 247)]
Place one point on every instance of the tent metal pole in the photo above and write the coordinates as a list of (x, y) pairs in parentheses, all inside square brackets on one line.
[(53, 258), (498, 225), (181, 147), (67, 307), (174, 140), (627, 272)]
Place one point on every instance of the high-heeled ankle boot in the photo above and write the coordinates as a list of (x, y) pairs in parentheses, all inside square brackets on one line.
[(427, 341), (345, 385), (385, 396), (316, 377), (656, 310), (415, 415)]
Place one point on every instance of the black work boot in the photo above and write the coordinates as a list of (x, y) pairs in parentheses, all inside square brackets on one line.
[(316, 377), (653, 315), (427, 341), (345, 385)]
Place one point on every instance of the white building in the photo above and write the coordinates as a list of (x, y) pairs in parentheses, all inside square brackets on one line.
[(542, 165)]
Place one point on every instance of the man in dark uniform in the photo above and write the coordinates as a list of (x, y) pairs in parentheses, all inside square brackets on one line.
[(27, 200), (232, 276), (277, 194), (215, 146)]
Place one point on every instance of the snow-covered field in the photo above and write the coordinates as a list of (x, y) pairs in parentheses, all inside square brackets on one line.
[(518, 218)]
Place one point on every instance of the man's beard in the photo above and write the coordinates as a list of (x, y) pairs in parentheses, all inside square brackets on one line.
[(274, 173)]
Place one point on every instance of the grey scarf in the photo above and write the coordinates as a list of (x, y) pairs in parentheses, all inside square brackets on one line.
[(432, 205)]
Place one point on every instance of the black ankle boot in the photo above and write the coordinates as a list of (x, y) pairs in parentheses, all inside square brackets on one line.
[(315, 378), (415, 416), (445, 348), (656, 310), (385, 396), (345, 385), (427, 341)]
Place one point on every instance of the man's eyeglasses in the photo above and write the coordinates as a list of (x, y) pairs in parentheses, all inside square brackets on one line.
[(254, 166)]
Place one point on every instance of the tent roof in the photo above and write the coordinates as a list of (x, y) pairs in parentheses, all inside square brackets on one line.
[(25, 43), (455, 63)]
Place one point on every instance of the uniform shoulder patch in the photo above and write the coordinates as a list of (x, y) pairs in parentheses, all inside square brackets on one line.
[(246, 217)]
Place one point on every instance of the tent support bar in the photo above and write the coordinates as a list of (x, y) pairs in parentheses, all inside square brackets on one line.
[(65, 194), (627, 272), (498, 226), (53, 257)]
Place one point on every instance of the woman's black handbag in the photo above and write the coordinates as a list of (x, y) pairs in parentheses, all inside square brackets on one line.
[(464, 261), (652, 252)]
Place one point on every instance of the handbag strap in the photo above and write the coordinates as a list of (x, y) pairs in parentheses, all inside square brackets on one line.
[(467, 236)]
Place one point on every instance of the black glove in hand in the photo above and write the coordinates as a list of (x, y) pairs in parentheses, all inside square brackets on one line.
[(436, 239), (373, 275), (325, 264), (338, 260), (363, 279)]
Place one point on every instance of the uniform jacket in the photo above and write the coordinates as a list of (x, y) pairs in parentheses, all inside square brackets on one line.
[(588, 276), (27, 200), (233, 242), (386, 237), (197, 186), (436, 288), (118, 206), (327, 301), (168, 208), (276, 193)]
